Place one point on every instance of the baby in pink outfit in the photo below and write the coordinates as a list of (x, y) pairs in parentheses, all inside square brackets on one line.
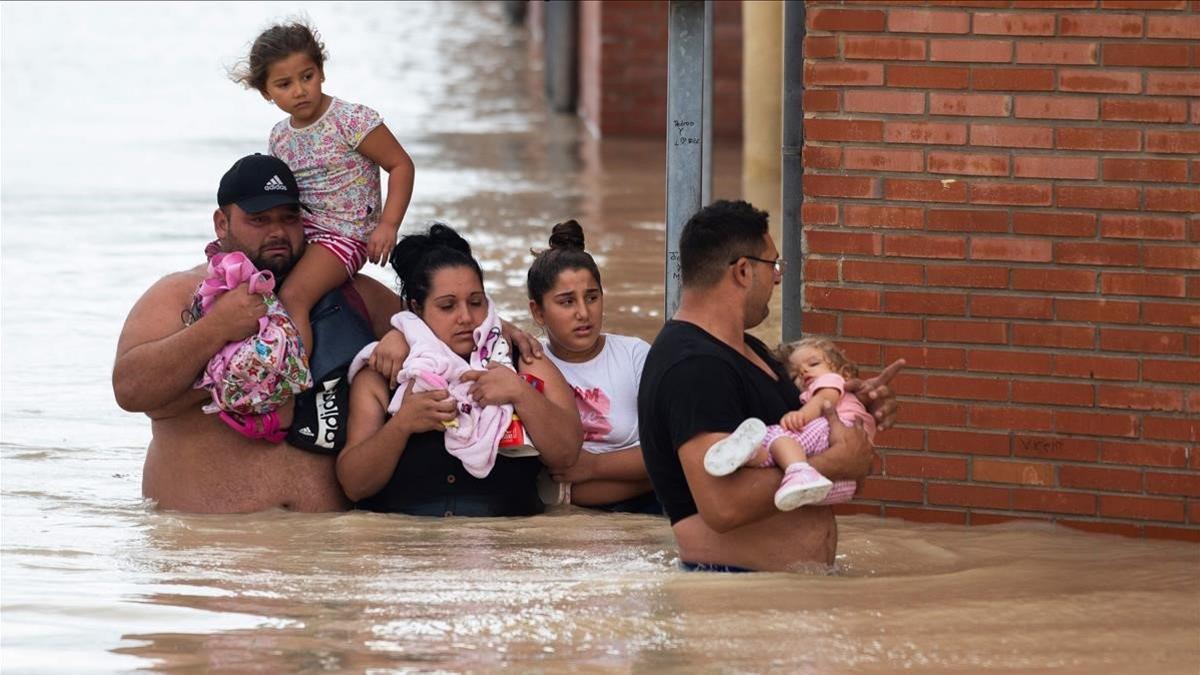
[(820, 370)]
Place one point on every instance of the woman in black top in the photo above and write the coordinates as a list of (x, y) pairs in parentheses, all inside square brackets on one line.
[(400, 463)]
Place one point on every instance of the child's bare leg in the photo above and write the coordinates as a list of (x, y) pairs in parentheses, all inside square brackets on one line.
[(787, 451), (760, 458), (316, 273)]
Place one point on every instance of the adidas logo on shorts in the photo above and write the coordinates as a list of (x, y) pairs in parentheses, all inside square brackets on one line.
[(305, 431)]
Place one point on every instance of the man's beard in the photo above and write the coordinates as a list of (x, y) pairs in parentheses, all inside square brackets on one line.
[(278, 266)]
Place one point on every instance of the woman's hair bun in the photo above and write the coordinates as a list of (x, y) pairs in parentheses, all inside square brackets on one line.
[(441, 234), (412, 248), (568, 235), (417, 256)]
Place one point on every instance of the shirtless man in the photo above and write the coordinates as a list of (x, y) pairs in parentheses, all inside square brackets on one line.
[(195, 462), (704, 375)]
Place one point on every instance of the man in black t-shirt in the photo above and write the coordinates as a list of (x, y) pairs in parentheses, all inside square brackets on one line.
[(704, 375)]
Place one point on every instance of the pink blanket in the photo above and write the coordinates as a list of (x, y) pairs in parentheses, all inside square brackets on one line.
[(255, 375), (475, 435)]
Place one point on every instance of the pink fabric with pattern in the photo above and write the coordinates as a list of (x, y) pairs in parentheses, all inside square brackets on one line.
[(814, 437), (352, 253), (255, 375), (339, 185)]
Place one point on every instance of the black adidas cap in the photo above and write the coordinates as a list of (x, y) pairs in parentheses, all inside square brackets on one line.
[(258, 182)]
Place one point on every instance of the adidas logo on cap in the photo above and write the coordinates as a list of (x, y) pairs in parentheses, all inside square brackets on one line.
[(258, 182)]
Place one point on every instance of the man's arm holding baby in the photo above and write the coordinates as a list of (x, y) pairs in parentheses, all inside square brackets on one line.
[(159, 355), (748, 495)]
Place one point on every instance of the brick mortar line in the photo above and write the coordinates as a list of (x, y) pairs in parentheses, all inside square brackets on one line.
[(990, 120), (1049, 350), (1008, 179), (1050, 517), (1141, 469), (931, 480), (1062, 408), (1015, 294), (1097, 492), (883, 201), (1095, 10), (1043, 380), (1008, 236)]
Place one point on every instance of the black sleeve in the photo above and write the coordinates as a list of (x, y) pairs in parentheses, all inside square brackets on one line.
[(701, 395)]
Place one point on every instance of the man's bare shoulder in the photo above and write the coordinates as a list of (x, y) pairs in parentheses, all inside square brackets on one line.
[(177, 281), (156, 313), (192, 275)]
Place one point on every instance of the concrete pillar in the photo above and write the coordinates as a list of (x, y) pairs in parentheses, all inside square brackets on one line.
[(762, 95)]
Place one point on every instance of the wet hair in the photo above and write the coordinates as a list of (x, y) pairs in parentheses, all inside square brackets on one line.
[(833, 354), (418, 256), (275, 44), (716, 235), (566, 252)]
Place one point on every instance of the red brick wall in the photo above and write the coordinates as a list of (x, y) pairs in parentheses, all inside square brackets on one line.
[(623, 67), (1004, 193)]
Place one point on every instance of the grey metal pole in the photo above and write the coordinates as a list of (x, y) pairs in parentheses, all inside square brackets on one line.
[(706, 148), (560, 53), (685, 134), (792, 173)]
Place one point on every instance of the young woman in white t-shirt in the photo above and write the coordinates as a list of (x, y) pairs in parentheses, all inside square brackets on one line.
[(567, 300)]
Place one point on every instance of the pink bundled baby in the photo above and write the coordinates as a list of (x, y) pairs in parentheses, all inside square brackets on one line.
[(252, 378)]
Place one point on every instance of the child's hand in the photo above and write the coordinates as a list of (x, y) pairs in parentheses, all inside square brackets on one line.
[(381, 243), (526, 344), (794, 421), (389, 355), (497, 385)]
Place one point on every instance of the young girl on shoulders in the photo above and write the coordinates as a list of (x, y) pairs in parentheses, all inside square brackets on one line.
[(819, 369), (335, 148)]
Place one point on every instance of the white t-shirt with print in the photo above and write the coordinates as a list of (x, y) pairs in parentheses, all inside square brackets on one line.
[(606, 391), (340, 186)]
